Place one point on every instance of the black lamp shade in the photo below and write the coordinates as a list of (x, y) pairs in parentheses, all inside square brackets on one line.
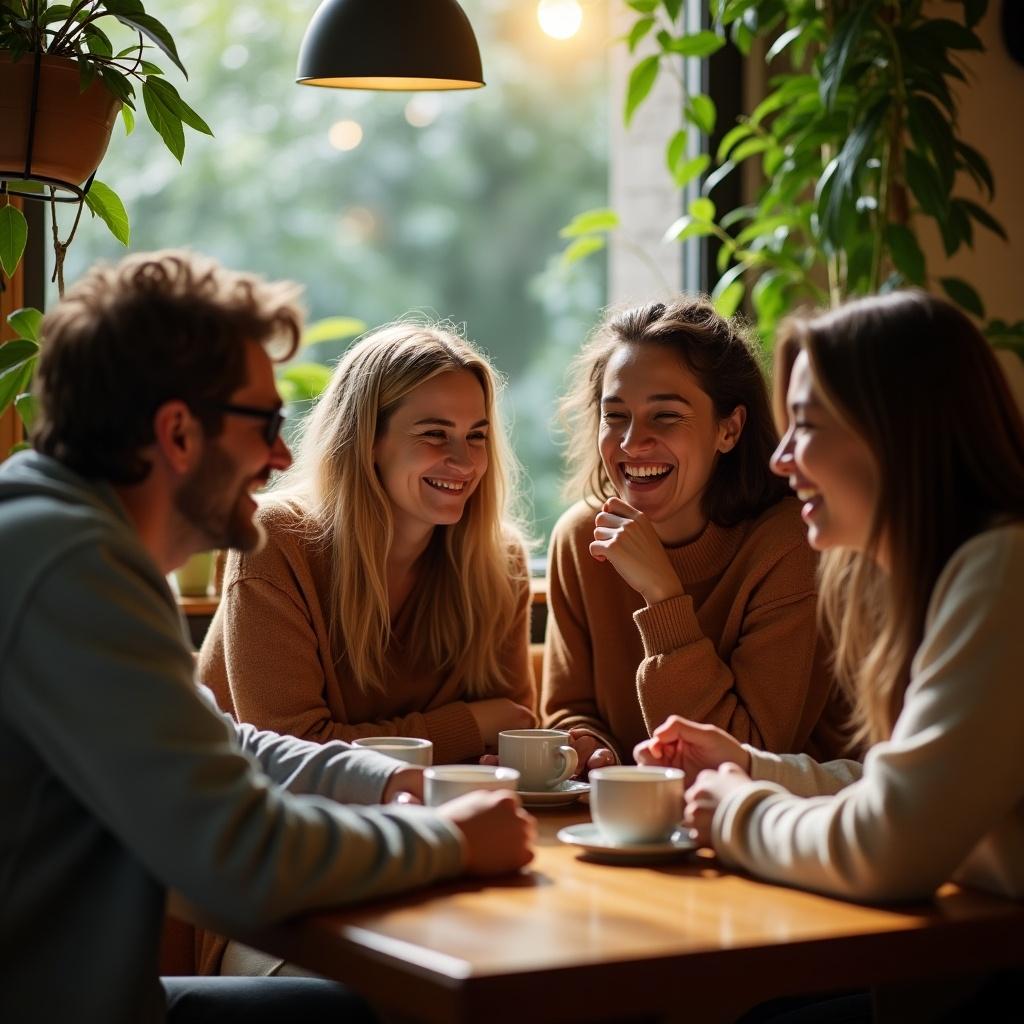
[(390, 44)]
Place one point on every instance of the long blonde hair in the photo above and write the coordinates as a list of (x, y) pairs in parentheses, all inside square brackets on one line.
[(913, 377), (468, 588)]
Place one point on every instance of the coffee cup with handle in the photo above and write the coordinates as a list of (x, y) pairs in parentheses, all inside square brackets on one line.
[(634, 804), (402, 748), (544, 758)]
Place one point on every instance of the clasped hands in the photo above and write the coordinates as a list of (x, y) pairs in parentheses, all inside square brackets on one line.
[(716, 763)]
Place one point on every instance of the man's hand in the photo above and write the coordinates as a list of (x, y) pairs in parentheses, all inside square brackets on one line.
[(703, 797), (692, 746), (497, 832), (625, 537), (405, 786)]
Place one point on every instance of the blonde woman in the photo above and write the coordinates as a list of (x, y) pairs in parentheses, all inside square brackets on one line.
[(907, 450), (682, 583), (391, 596)]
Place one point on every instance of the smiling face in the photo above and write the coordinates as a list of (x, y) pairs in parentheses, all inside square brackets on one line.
[(830, 467), (432, 453), (216, 498), (660, 437)]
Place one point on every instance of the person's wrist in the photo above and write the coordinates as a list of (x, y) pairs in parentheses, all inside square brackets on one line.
[(662, 591)]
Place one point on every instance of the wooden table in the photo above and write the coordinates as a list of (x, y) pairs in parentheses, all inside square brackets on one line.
[(571, 940)]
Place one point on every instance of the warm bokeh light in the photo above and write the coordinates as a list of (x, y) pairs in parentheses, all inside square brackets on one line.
[(423, 109), (560, 19), (345, 135)]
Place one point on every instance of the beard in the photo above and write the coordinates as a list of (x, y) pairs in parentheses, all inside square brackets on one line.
[(220, 512)]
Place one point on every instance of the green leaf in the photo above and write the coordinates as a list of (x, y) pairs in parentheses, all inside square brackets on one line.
[(701, 44), (735, 134), (590, 221), (750, 148), (28, 408), (173, 101), (977, 166), (17, 353), (907, 256), (688, 227), (643, 6), (128, 116), (701, 112), (702, 209), (22, 185), (691, 169), (581, 248), (727, 297), (105, 203), (837, 55), (927, 186), (26, 323), (119, 85), (974, 11), (769, 298), (152, 30), (672, 7), (963, 295), (13, 236), (951, 34), (931, 130), (782, 42), (15, 380), (307, 380), (167, 124), (332, 328), (641, 81), (675, 153), (640, 29), (982, 216)]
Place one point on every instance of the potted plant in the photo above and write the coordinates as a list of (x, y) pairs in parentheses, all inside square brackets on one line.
[(61, 87), (857, 144)]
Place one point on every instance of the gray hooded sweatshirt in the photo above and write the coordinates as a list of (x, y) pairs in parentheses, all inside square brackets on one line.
[(119, 778)]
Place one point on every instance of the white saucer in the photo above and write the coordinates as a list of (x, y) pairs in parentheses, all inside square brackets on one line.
[(564, 793), (594, 843)]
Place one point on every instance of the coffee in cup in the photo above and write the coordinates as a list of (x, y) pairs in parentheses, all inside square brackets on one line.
[(402, 748), (544, 758), (447, 781), (636, 803)]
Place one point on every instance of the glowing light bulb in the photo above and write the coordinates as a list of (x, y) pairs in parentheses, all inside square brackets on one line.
[(423, 109), (560, 19), (345, 135)]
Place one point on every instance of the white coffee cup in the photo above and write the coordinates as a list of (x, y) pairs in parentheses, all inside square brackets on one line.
[(448, 781), (543, 757), (402, 748), (636, 803)]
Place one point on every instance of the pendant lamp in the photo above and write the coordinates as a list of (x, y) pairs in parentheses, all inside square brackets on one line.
[(390, 44)]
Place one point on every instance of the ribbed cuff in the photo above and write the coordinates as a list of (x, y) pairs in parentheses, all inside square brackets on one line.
[(454, 733), (668, 625)]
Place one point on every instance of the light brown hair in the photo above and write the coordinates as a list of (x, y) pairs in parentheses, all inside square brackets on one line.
[(913, 377), (127, 338)]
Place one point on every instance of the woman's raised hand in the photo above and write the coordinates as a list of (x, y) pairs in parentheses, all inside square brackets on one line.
[(625, 537), (692, 746), (499, 713)]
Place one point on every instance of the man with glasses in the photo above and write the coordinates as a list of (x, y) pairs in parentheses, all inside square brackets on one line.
[(158, 419)]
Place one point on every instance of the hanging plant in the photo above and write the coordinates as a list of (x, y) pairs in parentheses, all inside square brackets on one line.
[(857, 143)]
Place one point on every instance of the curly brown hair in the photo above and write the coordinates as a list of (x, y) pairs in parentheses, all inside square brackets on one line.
[(129, 337)]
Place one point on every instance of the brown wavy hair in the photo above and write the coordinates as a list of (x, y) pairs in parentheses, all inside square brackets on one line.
[(912, 376), (726, 362), (127, 338)]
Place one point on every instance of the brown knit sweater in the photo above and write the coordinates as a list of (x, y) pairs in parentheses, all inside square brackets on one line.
[(268, 657), (739, 649)]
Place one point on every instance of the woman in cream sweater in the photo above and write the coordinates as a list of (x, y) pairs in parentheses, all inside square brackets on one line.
[(907, 451)]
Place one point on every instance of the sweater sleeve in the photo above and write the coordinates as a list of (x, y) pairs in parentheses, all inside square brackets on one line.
[(568, 700), (800, 774), (263, 651), (950, 774), (774, 672), (116, 715)]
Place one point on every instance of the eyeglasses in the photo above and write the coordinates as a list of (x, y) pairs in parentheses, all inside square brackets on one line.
[(273, 418)]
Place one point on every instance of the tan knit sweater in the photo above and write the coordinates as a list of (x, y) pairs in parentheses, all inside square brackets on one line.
[(738, 649), (268, 657)]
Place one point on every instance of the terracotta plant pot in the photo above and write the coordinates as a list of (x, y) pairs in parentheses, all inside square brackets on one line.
[(72, 127)]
